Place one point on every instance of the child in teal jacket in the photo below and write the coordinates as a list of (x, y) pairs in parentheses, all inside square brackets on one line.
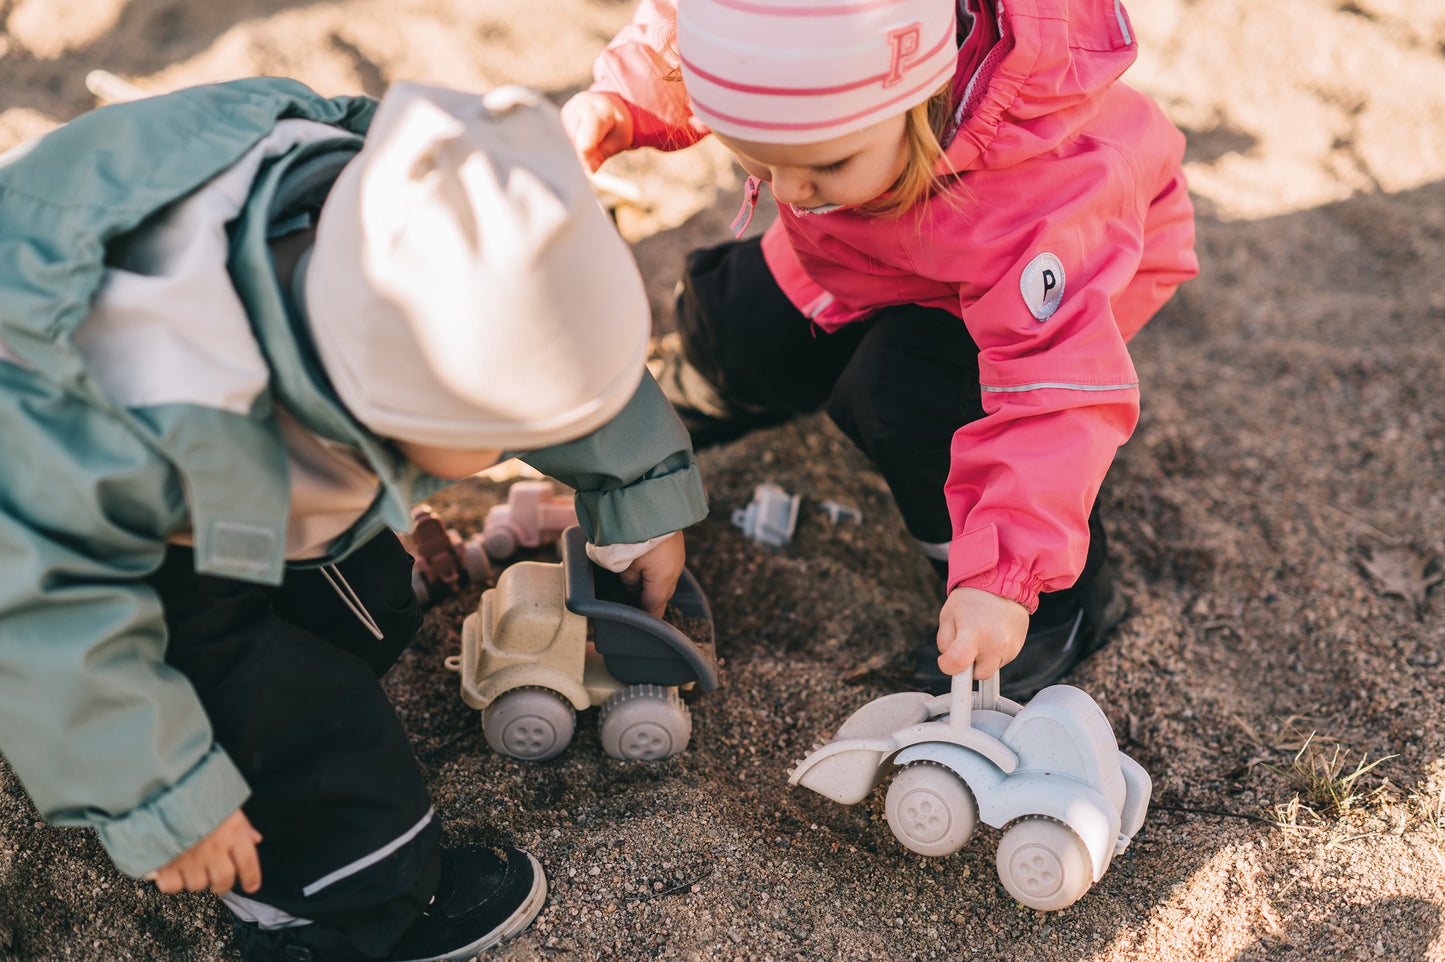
[(243, 328)]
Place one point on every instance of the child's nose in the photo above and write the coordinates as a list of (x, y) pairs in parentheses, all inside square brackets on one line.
[(791, 186)]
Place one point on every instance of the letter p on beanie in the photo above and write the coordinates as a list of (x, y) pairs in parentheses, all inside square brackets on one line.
[(805, 71), (466, 289)]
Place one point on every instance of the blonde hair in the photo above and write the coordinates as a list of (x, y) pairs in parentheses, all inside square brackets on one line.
[(925, 127)]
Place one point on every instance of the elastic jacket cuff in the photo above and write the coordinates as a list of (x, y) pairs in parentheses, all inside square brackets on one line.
[(644, 509), (151, 835), (974, 562)]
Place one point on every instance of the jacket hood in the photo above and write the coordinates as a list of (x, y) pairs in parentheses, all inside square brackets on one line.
[(1030, 73)]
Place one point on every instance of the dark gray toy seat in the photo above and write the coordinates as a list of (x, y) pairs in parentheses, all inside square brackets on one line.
[(637, 647)]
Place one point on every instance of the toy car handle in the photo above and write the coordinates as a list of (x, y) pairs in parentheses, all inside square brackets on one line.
[(961, 712)]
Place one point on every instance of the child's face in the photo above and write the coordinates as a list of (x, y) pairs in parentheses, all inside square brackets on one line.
[(845, 171), (448, 463)]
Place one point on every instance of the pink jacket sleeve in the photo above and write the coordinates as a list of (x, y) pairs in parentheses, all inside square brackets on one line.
[(1024, 520), (1060, 395), (640, 65)]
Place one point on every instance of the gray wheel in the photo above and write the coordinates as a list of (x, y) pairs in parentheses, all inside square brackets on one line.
[(475, 560), (533, 724), (1044, 864), (644, 723), (930, 809), (499, 543), (418, 588)]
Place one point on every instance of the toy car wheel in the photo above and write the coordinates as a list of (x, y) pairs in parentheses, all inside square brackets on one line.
[(499, 543), (475, 561), (930, 809), (533, 724), (1044, 864), (644, 723)]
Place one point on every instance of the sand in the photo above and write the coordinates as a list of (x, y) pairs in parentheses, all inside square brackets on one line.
[(1276, 522)]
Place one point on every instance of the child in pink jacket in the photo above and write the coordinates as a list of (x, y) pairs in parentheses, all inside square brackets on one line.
[(974, 217)]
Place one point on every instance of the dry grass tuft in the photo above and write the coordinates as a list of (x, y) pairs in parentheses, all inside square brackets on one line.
[(1327, 787)]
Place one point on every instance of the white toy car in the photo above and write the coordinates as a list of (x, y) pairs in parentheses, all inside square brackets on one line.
[(1050, 773), (551, 640)]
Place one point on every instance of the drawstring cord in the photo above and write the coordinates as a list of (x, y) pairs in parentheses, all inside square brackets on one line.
[(750, 203), (337, 580)]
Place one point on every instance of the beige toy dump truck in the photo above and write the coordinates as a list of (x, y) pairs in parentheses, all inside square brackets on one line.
[(551, 640)]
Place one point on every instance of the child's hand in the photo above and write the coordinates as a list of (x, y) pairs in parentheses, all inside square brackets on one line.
[(216, 862), (980, 629), (656, 573), (599, 124)]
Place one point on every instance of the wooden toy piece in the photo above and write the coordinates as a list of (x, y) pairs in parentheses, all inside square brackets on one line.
[(443, 562)]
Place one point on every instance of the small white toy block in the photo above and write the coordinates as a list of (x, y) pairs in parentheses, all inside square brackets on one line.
[(771, 517), (837, 511)]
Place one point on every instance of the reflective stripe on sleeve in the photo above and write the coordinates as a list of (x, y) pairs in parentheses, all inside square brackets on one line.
[(1060, 385)]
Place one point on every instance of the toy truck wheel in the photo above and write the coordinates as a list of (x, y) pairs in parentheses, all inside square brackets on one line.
[(644, 723), (499, 543), (419, 588), (474, 559), (1044, 864), (533, 724), (930, 809)]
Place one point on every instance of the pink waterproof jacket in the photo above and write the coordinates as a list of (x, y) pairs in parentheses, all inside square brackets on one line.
[(1065, 225)]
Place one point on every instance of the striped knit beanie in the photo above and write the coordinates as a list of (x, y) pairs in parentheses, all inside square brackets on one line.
[(806, 71)]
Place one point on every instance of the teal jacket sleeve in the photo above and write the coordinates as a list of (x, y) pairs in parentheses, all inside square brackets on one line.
[(635, 476), (99, 730)]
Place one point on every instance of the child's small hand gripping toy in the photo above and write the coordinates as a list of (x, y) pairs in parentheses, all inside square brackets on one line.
[(1049, 773)]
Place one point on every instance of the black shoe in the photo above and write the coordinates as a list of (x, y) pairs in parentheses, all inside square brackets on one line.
[(1067, 626), (485, 897)]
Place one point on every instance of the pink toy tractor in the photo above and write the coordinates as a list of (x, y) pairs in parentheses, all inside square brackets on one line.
[(533, 515)]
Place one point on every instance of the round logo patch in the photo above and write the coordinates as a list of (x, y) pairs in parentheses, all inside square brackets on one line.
[(1042, 285)]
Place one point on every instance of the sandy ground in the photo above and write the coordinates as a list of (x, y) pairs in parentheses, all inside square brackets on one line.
[(1277, 523)]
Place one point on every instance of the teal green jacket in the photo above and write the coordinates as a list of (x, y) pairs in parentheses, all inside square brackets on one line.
[(98, 728)]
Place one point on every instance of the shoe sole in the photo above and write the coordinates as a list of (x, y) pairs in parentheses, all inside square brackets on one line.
[(515, 924)]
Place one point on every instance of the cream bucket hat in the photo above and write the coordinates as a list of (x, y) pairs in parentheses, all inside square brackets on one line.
[(466, 289)]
